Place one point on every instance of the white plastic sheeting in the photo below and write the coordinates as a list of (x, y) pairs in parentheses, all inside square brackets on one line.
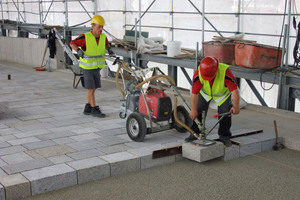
[(159, 22)]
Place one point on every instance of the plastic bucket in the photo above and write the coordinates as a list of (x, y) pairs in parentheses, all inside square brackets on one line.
[(104, 72), (173, 48)]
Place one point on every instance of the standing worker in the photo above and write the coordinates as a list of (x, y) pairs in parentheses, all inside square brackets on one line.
[(92, 43), (214, 80)]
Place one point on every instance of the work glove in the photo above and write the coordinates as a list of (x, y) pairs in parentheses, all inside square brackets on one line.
[(110, 52), (80, 53)]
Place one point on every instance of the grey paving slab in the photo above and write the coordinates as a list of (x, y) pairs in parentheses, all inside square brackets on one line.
[(26, 165), (231, 153), (2, 192), (91, 169), (23, 140), (34, 132), (85, 154), (16, 186), (51, 151), (55, 135), (60, 159), (122, 162), (88, 136), (114, 148), (86, 144), (267, 140), (4, 144), (248, 146), (2, 173), (16, 158), (39, 144), (2, 163), (12, 149), (51, 178)]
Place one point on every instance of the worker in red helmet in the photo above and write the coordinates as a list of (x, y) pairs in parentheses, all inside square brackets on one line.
[(214, 80), (92, 43)]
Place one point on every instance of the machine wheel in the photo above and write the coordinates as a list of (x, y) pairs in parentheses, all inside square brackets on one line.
[(136, 127), (122, 115), (183, 116)]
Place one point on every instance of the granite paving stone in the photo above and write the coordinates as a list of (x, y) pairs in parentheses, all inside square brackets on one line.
[(87, 136), (114, 148), (23, 140), (39, 144), (16, 186), (91, 169), (26, 165), (2, 192), (16, 158), (2, 173), (122, 162), (11, 150), (51, 178), (60, 159), (86, 144), (51, 151), (4, 144), (85, 154), (34, 132), (55, 135)]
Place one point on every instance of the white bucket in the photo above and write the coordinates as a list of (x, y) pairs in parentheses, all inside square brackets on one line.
[(104, 72), (173, 48)]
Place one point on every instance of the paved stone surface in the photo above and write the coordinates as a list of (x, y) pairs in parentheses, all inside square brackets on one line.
[(45, 137)]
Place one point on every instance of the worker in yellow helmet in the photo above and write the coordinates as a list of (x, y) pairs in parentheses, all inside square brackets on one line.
[(92, 43)]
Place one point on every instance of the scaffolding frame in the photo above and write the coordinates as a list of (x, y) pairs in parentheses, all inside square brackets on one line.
[(287, 92)]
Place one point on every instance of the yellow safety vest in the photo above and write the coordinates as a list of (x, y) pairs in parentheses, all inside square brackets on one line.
[(218, 91), (92, 49)]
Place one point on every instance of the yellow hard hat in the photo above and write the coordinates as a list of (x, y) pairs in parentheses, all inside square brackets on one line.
[(97, 19)]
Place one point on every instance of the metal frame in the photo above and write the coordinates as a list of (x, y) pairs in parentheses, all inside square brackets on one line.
[(286, 83)]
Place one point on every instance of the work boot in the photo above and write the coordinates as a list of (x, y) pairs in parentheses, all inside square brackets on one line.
[(96, 112), (190, 138), (87, 109), (226, 142)]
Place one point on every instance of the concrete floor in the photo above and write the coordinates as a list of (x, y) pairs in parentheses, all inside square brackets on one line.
[(42, 127)]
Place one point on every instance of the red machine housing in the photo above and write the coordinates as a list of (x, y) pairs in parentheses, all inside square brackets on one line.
[(160, 105)]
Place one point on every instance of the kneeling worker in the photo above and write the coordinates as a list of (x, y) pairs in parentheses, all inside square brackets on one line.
[(92, 43), (214, 80)]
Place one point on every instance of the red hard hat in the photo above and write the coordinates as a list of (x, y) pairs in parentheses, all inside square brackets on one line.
[(209, 67)]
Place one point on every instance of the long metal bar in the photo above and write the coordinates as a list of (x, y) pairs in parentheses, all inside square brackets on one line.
[(141, 16), (257, 94), (84, 9), (188, 78), (203, 23), (66, 15), (206, 18), (280, 82), (172, 13), (19, 13), (48, 11), (239, 17)]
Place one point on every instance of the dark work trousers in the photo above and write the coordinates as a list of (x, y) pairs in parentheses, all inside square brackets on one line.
[(225, 124)]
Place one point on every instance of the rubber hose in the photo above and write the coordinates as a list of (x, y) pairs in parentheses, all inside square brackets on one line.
[(180, 122)]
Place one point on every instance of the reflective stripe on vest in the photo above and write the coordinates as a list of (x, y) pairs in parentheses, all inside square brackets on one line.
[(218, 91), (93, 49)]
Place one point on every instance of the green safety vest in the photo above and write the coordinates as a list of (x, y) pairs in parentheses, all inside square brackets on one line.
[(92, 49), (218, 91)]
